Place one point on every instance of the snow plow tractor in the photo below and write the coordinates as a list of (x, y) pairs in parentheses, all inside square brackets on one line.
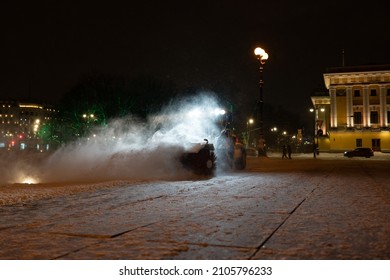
[(209, 123), (200, 158), (203, 158)]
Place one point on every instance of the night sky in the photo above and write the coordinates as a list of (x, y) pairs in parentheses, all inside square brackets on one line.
[(46, 48)]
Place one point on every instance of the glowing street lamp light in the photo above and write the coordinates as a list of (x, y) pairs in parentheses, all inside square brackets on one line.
[(262, 57), (248, 124), (89, 117)]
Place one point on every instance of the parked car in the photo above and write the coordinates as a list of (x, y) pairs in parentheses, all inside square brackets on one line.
[(360, 152)]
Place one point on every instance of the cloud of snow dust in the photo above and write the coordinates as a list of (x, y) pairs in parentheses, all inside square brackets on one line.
[(127, 148), (19, 167)]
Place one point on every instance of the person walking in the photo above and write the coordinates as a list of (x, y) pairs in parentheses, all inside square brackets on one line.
[(289, 151), (284, 151)]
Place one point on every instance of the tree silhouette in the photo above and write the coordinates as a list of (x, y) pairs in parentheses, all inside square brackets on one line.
[(98, 98)]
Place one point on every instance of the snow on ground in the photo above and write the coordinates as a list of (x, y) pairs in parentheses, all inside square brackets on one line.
[(304, 208), (20, 192), (28, 177), (24, 193)]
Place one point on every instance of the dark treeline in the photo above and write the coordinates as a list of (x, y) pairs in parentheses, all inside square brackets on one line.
[(98, 98), (109, 96)]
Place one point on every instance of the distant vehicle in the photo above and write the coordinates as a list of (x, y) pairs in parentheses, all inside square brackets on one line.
[(360, 152), (251, 152)]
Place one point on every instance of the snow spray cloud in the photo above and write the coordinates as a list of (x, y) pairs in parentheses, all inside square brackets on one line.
[(19, 167), (132, 149)]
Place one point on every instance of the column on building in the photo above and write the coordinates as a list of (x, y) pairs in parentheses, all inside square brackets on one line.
[(383, 107), (366, 106), (349, 108), (333, 107)]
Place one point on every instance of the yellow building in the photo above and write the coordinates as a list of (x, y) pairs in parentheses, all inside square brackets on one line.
[(356, 110)]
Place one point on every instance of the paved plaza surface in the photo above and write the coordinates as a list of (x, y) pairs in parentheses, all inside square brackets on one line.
[(330, 207)]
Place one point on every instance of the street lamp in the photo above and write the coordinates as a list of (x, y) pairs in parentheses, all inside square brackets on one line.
[(248, 123), (262, 57), (315, 134), (89, 117), (275, 138)]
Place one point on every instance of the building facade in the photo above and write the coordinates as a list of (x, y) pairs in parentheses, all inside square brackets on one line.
[(355, 112), (20, 123)]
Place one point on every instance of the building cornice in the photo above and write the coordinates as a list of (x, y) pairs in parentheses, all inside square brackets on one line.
[(348, 78)]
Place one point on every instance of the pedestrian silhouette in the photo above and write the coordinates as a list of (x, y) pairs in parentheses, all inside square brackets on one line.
[(289, 151), (284, 150)]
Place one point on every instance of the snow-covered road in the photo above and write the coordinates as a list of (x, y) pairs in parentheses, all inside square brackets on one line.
[(304, 208)]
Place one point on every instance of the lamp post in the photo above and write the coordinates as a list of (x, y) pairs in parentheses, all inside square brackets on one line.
[(275, 137), (248, 123), (315, 143), (262, 57), (89, 119)]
